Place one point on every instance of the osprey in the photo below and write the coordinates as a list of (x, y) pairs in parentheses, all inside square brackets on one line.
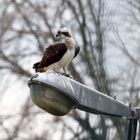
[(60, 54)]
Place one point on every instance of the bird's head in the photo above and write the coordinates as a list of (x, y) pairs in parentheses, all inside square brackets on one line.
[(63, 33)]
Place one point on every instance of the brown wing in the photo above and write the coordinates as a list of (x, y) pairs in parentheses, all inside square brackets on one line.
[(77, 49), (52, 54)]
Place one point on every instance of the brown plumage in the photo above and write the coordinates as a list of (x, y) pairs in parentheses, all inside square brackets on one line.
[(52, 54)]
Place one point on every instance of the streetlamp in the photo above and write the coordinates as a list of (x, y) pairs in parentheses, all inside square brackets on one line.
[(58, 94)]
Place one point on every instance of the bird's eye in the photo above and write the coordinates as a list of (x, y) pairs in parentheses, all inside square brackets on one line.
[(59, 32)]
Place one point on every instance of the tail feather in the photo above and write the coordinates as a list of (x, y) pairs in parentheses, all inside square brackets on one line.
[(35, 66)]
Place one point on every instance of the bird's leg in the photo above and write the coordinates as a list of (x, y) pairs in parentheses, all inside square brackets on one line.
[(65, 71)]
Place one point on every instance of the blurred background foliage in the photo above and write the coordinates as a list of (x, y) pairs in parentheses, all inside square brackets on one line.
[(108, 33)]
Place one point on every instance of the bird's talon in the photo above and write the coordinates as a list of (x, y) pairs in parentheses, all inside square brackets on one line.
[(67, 75)]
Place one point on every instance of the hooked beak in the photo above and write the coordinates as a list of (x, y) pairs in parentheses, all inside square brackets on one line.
[(58, 34)]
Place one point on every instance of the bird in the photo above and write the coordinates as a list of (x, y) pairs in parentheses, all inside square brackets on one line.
[(60, 54)]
